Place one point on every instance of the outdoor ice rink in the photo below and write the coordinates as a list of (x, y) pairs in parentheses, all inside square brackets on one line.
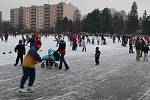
[(118, 77)]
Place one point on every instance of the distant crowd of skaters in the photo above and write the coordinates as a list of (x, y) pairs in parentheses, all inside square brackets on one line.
[(141, 45), (4, 37), (31, 58), (78, 40)]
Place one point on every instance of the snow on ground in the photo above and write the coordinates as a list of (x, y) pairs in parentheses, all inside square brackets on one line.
[(118, 77), (46, 44)]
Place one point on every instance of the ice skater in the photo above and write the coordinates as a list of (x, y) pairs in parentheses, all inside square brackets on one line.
[(62, 50), (131, 45), (28, 66), (97, 55), (93, 39), (145, 50), (20, 49), (83, 44)]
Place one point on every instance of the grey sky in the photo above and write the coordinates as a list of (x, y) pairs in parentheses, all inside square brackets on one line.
[(84, 5)]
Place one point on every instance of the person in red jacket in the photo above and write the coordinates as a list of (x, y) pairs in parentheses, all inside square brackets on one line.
[(61, 50), (74, 42)]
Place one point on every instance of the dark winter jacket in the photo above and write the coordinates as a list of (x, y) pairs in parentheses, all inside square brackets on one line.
[(142, 44), (32, 42), (20, 49), (97, 53), (130, 41), (138, 45), (145, 49), (62, 47)]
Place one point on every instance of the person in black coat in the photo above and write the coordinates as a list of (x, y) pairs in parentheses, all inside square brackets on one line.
[(20, 49), (31, 41), (145, 50), (97, 55), (62, 50), (131, 45), (142, 46)]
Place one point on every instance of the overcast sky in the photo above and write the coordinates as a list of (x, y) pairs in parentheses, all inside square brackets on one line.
[(84, 5)]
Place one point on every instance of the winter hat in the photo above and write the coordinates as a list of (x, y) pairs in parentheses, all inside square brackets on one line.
[(97, 48), (38, 44), (20, 41)]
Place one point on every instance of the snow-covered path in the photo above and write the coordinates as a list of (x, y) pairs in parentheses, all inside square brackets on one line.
[(118, 77)]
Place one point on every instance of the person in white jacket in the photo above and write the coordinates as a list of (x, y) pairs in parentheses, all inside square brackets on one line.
[(93, 38), (98, 40), (83, 44)]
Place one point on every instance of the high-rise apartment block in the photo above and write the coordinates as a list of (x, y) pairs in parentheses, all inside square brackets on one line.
[(41, 17), (0, 16), (14, 15)]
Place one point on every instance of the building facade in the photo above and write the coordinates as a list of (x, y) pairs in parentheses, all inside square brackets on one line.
[(39, 18), (53, 14), (69, 11), (0, 16), (46, 17), (26, 18), (14, 18)]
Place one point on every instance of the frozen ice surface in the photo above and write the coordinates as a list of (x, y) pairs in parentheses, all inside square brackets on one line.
[(118, 77)]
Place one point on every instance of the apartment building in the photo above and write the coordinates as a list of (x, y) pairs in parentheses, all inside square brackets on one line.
[(21, 10), (43, 17), (26, 18), (46, 17), (39, 18), (69, 11), (53, 14), (0, 16), (14, 18), (33, 18)]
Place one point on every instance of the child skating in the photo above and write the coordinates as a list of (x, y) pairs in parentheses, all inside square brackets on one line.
[(97, 55), (20, 49)]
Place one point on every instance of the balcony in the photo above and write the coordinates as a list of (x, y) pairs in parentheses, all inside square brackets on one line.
[(33, 21), (33, 11), (47, 17), (33, 26), (33, 17), (46, 14)]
